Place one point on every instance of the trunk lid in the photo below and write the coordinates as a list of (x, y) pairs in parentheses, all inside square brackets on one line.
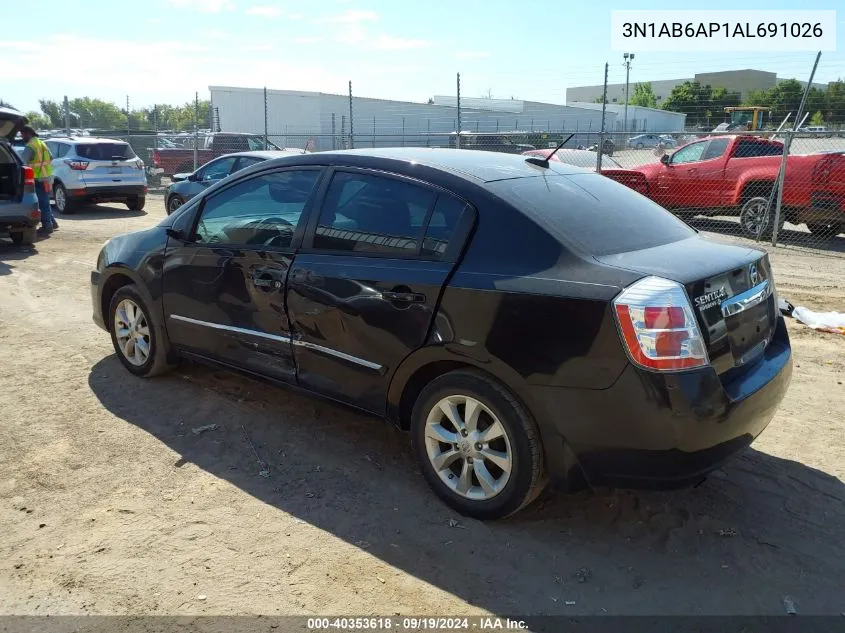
[(731, 290), (109, 164), (11, 121)]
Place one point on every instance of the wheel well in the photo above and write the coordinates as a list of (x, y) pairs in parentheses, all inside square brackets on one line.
[(417, 382), (755, 188), (112, 285)]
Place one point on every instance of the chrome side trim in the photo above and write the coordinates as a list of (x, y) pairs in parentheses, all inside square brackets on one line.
[(231, 328), (745, 300), (280, 339), (337, 354)]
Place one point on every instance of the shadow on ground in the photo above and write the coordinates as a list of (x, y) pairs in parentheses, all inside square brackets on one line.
[(10, 252), (97, 212), (762, 528)]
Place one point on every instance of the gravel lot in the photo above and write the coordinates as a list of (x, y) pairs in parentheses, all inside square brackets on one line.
[(109, 503)]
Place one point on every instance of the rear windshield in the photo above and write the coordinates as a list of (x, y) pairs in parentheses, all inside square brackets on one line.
[(105, 151), (593, 213)]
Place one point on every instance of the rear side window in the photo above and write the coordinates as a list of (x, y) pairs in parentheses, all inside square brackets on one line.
[(593, 213), (715, 149), (747, 149), (105, 151), (441, 226), (363, 213)]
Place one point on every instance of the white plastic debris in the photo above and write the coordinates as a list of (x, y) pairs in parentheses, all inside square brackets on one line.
[(823, 321)]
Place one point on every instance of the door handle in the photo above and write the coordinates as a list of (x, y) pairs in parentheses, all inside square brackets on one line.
[(404, 297)]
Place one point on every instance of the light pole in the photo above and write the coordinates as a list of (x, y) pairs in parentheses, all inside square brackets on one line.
[(629, 57)]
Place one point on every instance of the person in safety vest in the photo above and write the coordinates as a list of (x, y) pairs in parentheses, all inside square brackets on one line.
[(37, 156)]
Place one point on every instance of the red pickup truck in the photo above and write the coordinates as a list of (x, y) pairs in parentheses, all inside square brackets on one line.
[(177, 160), (730, 175)]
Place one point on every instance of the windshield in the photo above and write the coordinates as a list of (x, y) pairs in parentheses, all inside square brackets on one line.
[(593, 213), (585, 159), (105, 151), (256, 144)]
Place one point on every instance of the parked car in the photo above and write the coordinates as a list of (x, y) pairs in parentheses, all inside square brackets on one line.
[(180, 160), (643, 141), (523, 322), (186, 186), (19, 213), (815, 131), (735, 174), (608, 147), (587, 160), (91, 170)]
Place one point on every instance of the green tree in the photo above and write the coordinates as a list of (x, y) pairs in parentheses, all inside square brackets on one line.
[(835, 102), (53, 112), (38, 120), (643, 96), (6, 104), (692, 99), (817, 119)]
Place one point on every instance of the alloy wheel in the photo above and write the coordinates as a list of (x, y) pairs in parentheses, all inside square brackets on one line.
[(468, 447), (61, 199), (174, 203), (755, 217), (132, 331)]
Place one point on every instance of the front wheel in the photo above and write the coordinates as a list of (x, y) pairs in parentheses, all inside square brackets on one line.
[(134, 334), (639, 146), (478, 448), (137, 203)]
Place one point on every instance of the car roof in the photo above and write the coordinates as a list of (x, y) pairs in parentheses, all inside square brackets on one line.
[(85, 139), (266, 154), (471, 164)]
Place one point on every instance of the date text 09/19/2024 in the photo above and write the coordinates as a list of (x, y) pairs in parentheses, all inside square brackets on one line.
[(482, 623)]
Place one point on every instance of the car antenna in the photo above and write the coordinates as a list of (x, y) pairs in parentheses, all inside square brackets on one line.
[(544, 162)]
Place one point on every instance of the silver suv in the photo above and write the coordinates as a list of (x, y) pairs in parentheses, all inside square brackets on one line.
[(89, 170)]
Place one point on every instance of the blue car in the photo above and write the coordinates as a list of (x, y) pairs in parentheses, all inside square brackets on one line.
[(186, 186), (19, 214)]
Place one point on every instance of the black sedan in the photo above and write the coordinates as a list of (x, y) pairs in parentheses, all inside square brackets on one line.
[(525, 320), (185, 186)]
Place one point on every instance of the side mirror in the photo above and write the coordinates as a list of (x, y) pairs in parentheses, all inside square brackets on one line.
[(193, 177), (665, 159)]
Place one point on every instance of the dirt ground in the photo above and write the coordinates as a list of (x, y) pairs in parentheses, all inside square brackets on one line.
[(110, 503)]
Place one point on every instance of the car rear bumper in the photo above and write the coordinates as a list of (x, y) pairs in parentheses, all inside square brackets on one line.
[(653, 430), (19, 218), (117, 193)]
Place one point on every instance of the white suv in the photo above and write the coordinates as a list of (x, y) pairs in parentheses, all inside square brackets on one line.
[(89, 170)]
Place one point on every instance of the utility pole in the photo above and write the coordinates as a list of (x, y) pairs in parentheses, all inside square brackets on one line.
[(629, 57), (196, 128), (67, 116), (351, 133), (600, 148)]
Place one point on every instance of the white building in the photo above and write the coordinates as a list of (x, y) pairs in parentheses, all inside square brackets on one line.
[(298, 116), (640, 119)]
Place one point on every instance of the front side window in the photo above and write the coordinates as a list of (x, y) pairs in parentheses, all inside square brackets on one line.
[(216, 170), (363, 213), (261, 211), (689, 154)]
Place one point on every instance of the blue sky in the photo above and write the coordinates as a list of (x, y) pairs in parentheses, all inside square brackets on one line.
[(162, 51)]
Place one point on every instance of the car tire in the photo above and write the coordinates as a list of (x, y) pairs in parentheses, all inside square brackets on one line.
[(145, 355), (466, 478), (137, 203), (753, 213), (174, 202), (826, 230), (639, 146), (24, 237), (64, 205)]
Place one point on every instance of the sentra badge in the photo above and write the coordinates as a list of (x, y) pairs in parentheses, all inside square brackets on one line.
[(710, 299)]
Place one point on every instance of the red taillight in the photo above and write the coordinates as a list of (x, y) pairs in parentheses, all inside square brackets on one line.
[(658, 326), (28, 176), (77, 165), (156, 158)]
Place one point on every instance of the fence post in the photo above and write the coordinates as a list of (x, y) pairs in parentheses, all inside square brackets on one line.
[(459, 126), (351, 133), (600, 148), (334, 133), (403, 131), (196, 128), (786, 143), (67, 116), (428, 133), (266, 146), (343, 131), (374, 131), (128, 123)]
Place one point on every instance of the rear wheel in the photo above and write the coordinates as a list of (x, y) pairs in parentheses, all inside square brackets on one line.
[(477, 446), (639, 146), (25, 236), (755, 218), (826, 230), (63, 202), (137, 203)]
